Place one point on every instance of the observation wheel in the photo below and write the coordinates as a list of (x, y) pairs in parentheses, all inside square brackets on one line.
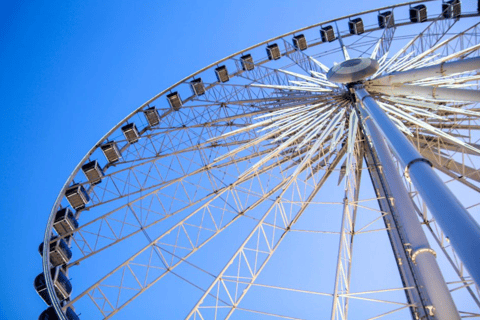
[(328, 173)]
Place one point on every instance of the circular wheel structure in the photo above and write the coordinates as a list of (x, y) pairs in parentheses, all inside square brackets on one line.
[(328, 173)]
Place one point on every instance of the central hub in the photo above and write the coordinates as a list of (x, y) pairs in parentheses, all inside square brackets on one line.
[(353, 70)]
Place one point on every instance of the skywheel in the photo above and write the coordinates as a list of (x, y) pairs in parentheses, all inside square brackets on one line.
[(328, 173)]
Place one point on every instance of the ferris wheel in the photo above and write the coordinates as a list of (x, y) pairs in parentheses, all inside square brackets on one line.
[(329, 173)]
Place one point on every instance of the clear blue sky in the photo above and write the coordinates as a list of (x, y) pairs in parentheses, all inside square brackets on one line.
[(70, 70)]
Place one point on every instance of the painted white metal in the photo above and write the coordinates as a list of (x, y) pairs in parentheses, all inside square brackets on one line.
[(396, 239), (433, 284), (308, 78), (309, 88), (400, 63), (339, 308), (439, 70), (424, 55), (459, 226), (286, 183), (428, 92), (426, 126), (429, 105), (337, 134), (318, 75), (321, 65), (375, 50)]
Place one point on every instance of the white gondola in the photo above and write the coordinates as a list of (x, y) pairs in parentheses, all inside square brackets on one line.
[(130, 132), (174, 100), (247, 62), (356, 26), (65, 222), (77, 196), (198, 88), (299, 42), (62, 285), (60, 253), (93, 172), (111, 152), (273, 52), (222, 74), (418, 13), (451, 9), (327, 34), (152, 116), (385, 19)]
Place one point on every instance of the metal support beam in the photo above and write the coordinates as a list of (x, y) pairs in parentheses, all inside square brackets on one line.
[(462, 170), (420, 254), (462, 230), (406, 272), (428, 92), (442, 69)]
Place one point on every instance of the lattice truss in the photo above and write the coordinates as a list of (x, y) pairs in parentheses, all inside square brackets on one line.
[(253, 193)]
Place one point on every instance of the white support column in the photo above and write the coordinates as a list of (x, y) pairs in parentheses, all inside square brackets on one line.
[(396, 239), (422, 256), (428, 92), (457, 224), (438, 70)]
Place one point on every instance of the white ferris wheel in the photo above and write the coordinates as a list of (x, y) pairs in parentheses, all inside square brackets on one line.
[(328, 173)]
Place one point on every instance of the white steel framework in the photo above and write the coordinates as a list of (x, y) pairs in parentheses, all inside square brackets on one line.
[(281, 194)]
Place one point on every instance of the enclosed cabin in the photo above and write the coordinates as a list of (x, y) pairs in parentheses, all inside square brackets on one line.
[(222, 74), (93, 172), (50, 314), (451, 9), (77, 196), (152, 116), (327, 34), (385, 19), (60, 253), (355, 26), (65, 222), (273, 52), (247, 62), (111, 151), (198, 88), (299, 42), (418, 13), (130, 132), (174, 100), (61, 284)]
